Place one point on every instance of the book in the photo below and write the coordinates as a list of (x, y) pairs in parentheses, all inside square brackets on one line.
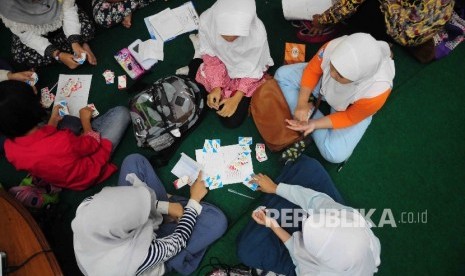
[(170, 23)]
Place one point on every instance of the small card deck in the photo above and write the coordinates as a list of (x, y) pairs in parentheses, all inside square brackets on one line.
[(95, 112), (34, 80), (122, 82), (260, 152), (46, 97)]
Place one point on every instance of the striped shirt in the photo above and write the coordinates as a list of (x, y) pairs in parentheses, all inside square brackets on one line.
[(161, 250)]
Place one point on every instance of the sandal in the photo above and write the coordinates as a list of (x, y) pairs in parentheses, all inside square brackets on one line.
[(327, 34), (297, 24), (295, 150)]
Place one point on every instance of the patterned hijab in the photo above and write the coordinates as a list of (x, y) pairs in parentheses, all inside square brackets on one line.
[(33, 12)]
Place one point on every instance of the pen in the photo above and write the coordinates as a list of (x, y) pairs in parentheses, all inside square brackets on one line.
[(241, 194)]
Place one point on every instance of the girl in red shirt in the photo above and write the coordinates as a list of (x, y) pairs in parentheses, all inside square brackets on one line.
[(57, 155)]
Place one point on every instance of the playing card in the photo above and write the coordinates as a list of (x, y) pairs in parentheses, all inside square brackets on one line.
[(252, 186), (216, 144), (34, 80), (245, 141), (80, 59), (109, 76), (260, 152), (214, 182), (71, 85), (122, 82), (63, 110), (95, 112), (46, 98), (181, 182), (207, 146)]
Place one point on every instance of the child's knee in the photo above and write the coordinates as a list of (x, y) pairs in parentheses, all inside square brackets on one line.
[(335, 154)]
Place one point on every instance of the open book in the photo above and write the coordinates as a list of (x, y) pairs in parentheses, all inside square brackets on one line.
[(170, 23)]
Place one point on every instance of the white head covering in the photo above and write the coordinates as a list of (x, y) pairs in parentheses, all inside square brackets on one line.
[(248, 55), (361, 59), (112, 232), (347, 248)]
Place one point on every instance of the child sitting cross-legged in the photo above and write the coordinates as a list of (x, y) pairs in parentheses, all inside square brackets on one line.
[(52, 152)]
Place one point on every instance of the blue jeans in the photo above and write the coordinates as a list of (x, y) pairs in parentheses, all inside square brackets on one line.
[(111, 125), (335, 145), (210, 225), (257, 245)]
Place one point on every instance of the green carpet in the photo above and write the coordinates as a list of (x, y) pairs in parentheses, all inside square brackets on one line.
[(411, 159)]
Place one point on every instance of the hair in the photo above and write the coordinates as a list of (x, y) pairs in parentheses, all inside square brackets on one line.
[(20, 109)]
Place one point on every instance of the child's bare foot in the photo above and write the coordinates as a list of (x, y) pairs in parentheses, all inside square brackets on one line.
[(127, 21), (90, 55)]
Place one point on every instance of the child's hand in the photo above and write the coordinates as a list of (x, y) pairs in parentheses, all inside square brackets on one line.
[(305, 127), (230, 105), (198, 189), (302, 111), (214, 98), (21, 76), (85, 113), (266, 184), (175, 210), (261, 218), (55, 118), (68, 60)]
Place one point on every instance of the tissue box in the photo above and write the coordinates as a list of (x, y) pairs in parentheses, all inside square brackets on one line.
[(129, 64), (134, 49)]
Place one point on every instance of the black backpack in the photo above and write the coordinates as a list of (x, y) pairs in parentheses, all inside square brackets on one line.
[(163, 113)]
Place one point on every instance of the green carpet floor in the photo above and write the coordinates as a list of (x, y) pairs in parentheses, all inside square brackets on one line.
[(411, 159)]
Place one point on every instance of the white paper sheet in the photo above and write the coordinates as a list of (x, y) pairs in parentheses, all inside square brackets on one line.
[(166, 24), (217, 163), (74, 89), (188, 17), (186, 166), (170, 23), (151, 49), (304, 9)]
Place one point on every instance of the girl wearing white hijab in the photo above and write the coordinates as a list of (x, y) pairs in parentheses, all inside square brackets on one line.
[(235, 53), (354, 75), (47, 31), (333, 240), (122, 230)]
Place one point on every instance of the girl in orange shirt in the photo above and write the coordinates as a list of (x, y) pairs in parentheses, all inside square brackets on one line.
[(354, 75)]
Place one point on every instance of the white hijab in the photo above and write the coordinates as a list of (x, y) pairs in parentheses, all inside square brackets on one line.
[(361, 59), (346, 249), (248, 55), (113, 232)]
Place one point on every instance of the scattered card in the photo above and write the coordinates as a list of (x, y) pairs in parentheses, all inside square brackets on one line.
[(260, 152), (211, 146), (109, 76), (243, 141), (252, 186), (214, 182), (95, 112), (122, 82)]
